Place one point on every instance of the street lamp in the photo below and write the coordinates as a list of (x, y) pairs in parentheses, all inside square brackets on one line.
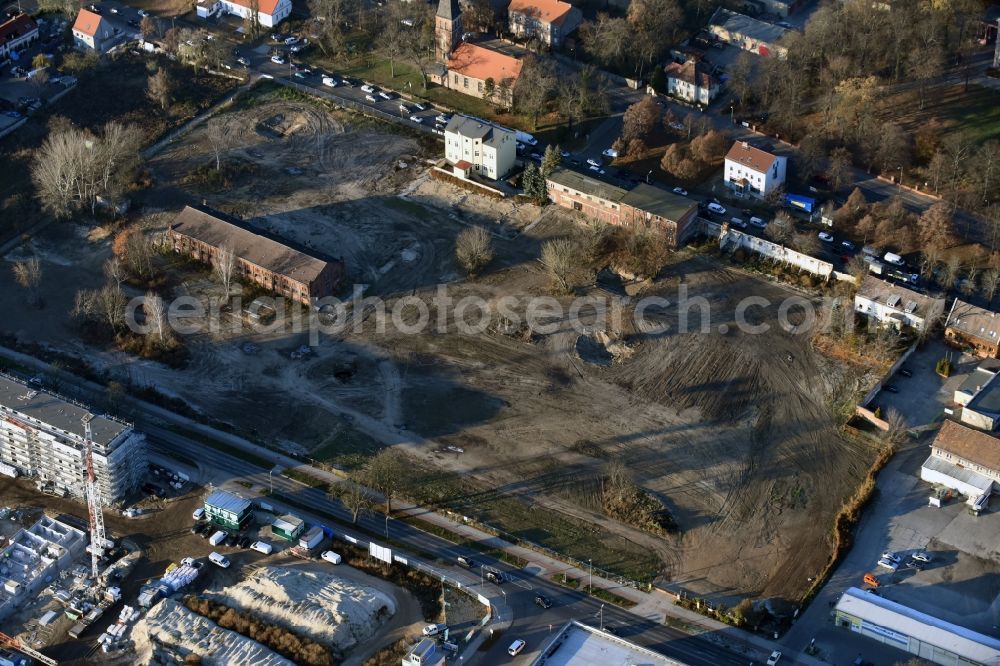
[(900, 175), (504, 593), (602, 617), (650, 173), (590, 586)]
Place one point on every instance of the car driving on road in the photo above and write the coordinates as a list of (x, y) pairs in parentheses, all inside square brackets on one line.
[(716, 208), (543, 601)]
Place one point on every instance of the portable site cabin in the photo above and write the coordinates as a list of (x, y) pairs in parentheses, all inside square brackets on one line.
[(288, 527), (228, 510)]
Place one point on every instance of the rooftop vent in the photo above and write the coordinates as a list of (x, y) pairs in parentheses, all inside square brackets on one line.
[(893, 300), (911, 307)]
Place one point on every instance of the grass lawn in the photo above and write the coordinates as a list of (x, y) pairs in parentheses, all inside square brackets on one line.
[(975, 114), (348, 449)]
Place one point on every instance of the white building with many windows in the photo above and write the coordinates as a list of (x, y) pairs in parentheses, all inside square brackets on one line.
[(43, 436), (753, 171), (269, 12), (892, 305), (477, 147)]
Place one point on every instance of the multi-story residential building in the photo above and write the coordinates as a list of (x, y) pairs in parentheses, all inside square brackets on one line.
[(16, 34), (892, 305), (752, 171), (43, 436), (269, 12), (973, 327), (549, 21), (204, 234), (691, 81), (93, 31), (475, 146)]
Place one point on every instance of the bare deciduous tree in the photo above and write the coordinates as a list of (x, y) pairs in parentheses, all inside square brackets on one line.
[(355, 497), (160, 88), (474, 249), (559, 259), (990, 284), (156, 316), (28, 274), (385, 473), (224, 265), (115, 271), (219, 132)]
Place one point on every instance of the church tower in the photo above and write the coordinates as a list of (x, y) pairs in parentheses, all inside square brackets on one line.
[(447, 29)]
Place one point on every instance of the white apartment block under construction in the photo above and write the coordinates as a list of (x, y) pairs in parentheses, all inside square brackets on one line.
[(43, 436)]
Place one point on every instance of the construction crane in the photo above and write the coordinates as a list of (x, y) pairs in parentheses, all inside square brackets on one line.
[(15, 644), (97, 536)]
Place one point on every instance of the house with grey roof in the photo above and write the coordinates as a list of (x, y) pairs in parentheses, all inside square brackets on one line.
[(748, 33), (476, 147), (890, 304)]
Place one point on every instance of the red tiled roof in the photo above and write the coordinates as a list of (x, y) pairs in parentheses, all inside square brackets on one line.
[(87, 22), (265, 6), (755, 158), (972, 445), (691, 71), (18, 26), (477, 62), (464, 165), (546, 11)]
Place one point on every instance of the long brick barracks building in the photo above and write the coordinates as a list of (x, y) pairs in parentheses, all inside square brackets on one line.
[(201, 232)]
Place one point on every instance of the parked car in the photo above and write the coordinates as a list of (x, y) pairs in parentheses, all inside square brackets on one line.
[(737, 222), (442, 118), (291, 40), (142, 12), (888, 564), (434, 629), (597, 169), (331, 557), (277, 60), (243, 61), (329, 81), (367, 88), (592, 162), (198, 514), (371, 98), (418, 106), (825, 237), (218, 560), (610, 152), (233, 540), (758, 222), (262, 547), (384, 95), (244, 542), (889, 555), (716, 208), (847, 245), (681, 191), (516, 647), (921, 556), (774, 658), (301, 75), (543, 601), (870, 579)]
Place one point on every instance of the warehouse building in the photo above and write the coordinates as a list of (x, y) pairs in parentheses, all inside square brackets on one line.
[(228, 510), (578, 644), (288, 527), (42, 435), (205, 234), (914, 632)]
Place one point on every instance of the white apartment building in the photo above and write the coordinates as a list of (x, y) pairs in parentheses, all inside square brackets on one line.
[(269, 12), (893, 305), (42, 435), (752, 171), (475, 146)]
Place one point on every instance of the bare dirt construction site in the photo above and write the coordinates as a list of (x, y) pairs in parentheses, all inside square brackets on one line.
[(734, 434)]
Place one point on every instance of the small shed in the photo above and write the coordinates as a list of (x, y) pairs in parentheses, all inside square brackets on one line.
[(288, 527)]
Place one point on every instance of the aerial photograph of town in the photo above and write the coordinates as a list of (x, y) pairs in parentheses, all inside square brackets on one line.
[(481, 332)]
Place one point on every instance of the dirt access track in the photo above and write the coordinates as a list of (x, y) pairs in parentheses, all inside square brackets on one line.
[(733, 433)]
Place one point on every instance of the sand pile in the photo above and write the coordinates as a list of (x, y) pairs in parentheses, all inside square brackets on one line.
[(170, 632), (322, 606)]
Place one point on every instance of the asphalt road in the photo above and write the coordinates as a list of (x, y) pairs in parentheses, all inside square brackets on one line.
[(530, 622)]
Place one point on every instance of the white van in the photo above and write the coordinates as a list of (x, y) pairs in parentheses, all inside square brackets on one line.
[(217, 538), (894, 259), (198, 514), (516, 647), (331, 557), (218, 560), (262, 547)]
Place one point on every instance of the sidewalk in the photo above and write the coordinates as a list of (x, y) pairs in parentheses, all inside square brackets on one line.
[(657, 606)]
